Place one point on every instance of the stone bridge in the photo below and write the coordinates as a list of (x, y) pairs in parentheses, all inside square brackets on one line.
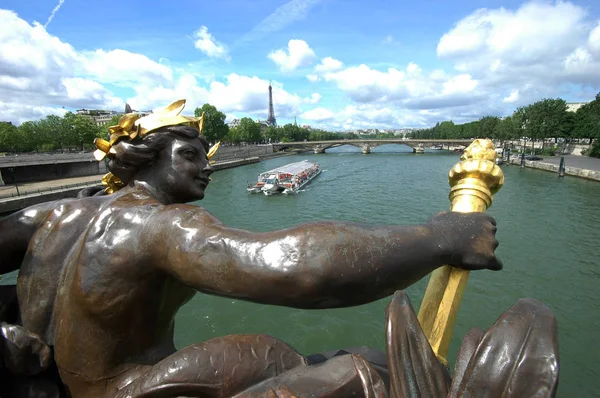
[(367, 144)]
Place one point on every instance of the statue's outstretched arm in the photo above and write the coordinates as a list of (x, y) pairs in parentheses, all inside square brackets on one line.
[(317, 265)]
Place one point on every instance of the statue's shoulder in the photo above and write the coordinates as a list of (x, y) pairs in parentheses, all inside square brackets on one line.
[(185, 213)]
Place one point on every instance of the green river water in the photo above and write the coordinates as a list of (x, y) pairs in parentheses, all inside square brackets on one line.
[(548, 229)]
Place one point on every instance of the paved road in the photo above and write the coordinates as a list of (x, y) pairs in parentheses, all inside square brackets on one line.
[(7, 191), (582, 162)]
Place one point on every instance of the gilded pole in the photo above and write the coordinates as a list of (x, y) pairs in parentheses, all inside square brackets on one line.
[(473, 181)]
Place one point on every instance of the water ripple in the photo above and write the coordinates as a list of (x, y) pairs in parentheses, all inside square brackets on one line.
[(547, 229)]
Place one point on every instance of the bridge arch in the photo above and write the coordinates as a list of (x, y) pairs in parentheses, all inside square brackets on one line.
[(367, 144)]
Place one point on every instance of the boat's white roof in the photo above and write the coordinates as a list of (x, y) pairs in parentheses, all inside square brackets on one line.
[(292, 168)]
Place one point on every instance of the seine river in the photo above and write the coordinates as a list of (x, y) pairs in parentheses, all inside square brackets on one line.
[(548, 229)]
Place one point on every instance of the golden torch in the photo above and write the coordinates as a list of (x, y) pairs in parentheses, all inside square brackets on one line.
[(474, 180)]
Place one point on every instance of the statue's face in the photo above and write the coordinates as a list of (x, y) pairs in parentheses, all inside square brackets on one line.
[(182, 170)]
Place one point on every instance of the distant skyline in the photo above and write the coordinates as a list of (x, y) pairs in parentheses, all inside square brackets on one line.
[(333, 64)]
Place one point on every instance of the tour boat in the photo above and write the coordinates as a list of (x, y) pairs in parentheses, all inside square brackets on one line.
[(285, 179)]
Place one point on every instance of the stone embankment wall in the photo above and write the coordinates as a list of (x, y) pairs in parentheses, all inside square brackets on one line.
[(46, 172), (11, 205), (28, 168), (571, 171)]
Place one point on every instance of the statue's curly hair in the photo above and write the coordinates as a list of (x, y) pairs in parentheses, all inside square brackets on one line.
[(132, 155)]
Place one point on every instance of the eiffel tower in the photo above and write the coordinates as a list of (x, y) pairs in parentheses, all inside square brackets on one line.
[(271, 119)]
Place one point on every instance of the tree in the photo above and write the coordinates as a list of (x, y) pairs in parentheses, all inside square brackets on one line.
[(488, 127), (32, 138), (293, 133), (274, 134), (506, 129), (215, 128), (79, 131), (470, 130), (586, 123), (50, 129), (9, 137), (249, 130), (234, 135), (549, 118), (446, 130)]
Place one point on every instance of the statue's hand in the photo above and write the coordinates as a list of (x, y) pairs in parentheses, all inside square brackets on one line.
[(468, 239)]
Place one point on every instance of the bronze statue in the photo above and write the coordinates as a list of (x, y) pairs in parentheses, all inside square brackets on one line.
[(102, 277)]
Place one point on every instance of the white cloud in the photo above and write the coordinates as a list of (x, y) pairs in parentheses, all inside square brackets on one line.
[(39, 74), (513, 97), (318, 115), (237, 94), (594, 41), (123, 68), (501, 58), (18, 112), (298, 55), (328, 64), (206, 43), (542, 43), (410, 87), (37, 71), (249, 94), (363, 116), (152, 96), (313, 99)]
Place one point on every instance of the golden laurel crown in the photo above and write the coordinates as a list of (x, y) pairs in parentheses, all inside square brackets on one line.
[(132, 125)]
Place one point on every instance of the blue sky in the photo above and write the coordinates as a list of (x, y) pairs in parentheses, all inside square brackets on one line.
[(336, 64)]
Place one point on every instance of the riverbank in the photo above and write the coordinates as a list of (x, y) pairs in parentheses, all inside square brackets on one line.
[(575, 166), (14, 198)]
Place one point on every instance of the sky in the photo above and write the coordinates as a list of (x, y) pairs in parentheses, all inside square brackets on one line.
[(334, 64)]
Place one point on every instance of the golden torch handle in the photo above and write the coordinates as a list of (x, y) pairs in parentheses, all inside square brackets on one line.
[(474, 181)]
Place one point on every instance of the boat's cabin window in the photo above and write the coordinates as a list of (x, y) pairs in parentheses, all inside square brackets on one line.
[(271, 180)]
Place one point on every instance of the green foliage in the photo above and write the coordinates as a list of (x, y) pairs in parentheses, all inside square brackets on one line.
[(71, 132), (215, 128), (249, 130), (547, 118), (594, 150), (294, 133), (586, 123), (488, 126), (274, 134)]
